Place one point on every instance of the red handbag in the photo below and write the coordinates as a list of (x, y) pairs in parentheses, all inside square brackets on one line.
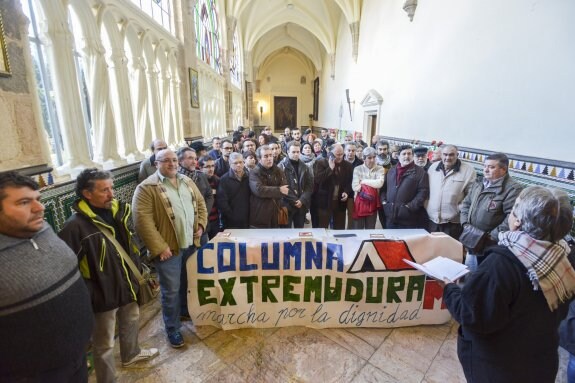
[(366, 202)]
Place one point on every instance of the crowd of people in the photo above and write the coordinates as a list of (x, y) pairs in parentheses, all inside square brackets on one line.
[(509, 308)]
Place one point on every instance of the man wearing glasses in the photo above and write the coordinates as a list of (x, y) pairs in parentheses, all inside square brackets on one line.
[(223, 163), (148, 166), (170, 216), (188, 161), (268, 185)]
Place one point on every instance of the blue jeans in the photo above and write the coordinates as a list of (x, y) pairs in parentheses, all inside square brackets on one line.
[(185, 254), (169, 272), (571, 369)]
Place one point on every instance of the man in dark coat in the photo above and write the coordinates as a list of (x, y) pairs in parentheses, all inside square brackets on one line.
[(404, 192), (300, 181), (188, 164), (233, 195), (333, 178), (112, 284), (268, 185)]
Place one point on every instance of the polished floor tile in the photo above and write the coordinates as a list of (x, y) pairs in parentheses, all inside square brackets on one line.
[(422, 354)]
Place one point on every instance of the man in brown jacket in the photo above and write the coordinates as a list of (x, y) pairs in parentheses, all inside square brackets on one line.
[(170, 216)]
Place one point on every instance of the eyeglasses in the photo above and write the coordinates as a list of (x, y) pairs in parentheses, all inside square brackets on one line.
[(172, 160)]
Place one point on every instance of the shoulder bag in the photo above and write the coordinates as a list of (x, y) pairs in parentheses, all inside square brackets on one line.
[(148, 286)]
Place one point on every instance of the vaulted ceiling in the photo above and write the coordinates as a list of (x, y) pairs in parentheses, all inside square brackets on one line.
[(307, 29)]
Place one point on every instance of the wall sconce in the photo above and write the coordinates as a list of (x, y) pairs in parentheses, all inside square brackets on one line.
[(261, 111)]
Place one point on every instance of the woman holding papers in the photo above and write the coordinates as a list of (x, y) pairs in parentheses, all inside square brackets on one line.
[(509, 310)]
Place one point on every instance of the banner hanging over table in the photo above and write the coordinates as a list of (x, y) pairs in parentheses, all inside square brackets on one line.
[(321, 279)]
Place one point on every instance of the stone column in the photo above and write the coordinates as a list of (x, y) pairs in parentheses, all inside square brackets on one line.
[(60, 46), (153, 101), (123, 104), (106, 144), (139, 88), (167, 118)]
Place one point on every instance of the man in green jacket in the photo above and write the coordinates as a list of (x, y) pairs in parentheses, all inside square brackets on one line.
[(170, 216)]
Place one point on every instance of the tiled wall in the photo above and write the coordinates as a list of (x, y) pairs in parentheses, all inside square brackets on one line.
[(59, 199)]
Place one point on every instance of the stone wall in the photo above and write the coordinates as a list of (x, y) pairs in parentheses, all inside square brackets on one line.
[(22, 132)]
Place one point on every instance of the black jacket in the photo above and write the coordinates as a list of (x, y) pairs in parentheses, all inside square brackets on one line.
[(233, 200), (507, 331), (300, 187), (110, 281), (222, 166), (403, 202), (327, 179), (203, 184)]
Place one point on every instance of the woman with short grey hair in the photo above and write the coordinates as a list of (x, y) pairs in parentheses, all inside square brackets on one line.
[(367, 179), (510, 308)]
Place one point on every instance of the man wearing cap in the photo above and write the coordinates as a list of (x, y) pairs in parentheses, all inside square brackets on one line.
[(449, 182), (420, 157), (148, 166), (404, 192)]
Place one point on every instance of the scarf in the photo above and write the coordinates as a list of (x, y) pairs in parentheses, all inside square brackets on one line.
[(383, 161), (305, 158), (547, 265), (401, 170)]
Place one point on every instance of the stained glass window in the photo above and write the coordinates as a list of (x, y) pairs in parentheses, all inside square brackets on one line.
[(208, 34), (235, 62)]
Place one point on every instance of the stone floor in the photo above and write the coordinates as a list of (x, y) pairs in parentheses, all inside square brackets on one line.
[(299, 354)]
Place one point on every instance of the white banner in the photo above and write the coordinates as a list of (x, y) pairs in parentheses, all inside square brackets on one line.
[(317, 278)]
